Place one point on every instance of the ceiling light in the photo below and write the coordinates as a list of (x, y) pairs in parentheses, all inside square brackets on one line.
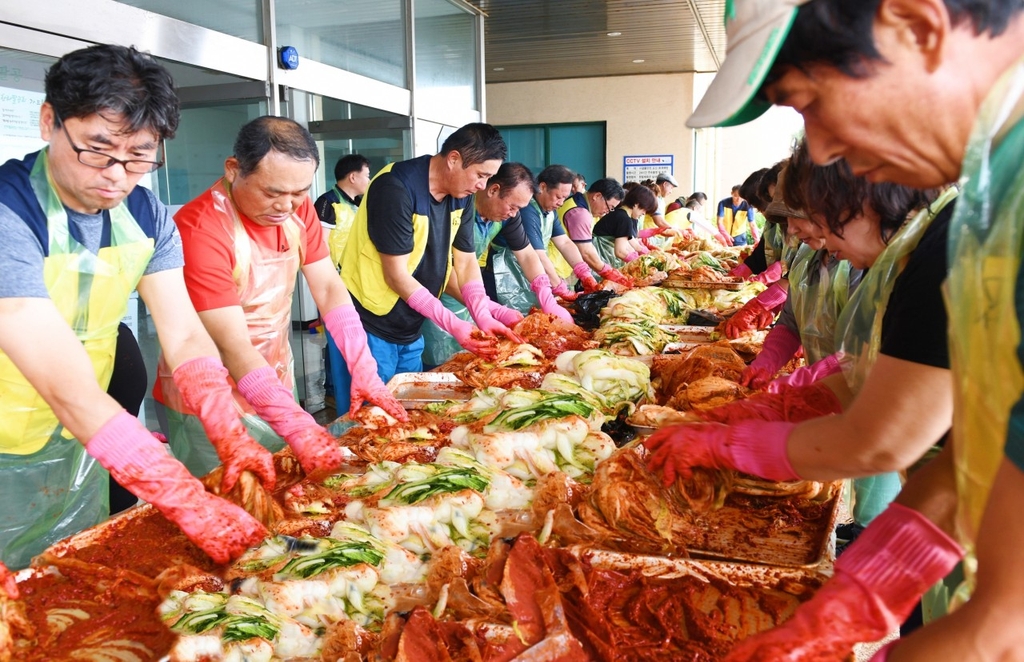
[(614, 34), (498, 69), (638, 61)]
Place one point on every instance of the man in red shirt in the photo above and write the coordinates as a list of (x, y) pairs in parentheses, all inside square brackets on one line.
[(244, 240)]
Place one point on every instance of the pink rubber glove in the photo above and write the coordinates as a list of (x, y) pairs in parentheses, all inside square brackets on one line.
[(807, 375), (478, 342), (346, 328), (883, 654), (877, 582), (475, 298), (778, 349), (724, 239), (643, 248), (313, 446), (741, 270), (203, 383), (582, 271), (758, 313), (754, 447), (507, 316), (770, 275), (139, 462), (632, 255), (563, 292), (608, 272), (541, 286)]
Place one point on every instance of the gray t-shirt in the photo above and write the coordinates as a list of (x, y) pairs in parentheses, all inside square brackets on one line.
[(21, 253)]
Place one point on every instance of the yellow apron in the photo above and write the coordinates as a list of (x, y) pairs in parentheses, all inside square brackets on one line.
[(985, 256), (859, 331), (344, 217), (563, 268), (859, 337), (265, 281), (51, 488)]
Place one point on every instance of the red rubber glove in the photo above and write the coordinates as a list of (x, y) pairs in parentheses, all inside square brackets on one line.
[(139, 462), (793, 405), (507, 316), (426, 304), (608, 272), (741, 270), (475, 298), (582, 271), (877, 582), (770, 275), (758, 313), (314, 446), (754, 447), (345, 327), (203, 383), (563, 292), (632, 255), (778, 349), (807, 375), (541, 286)]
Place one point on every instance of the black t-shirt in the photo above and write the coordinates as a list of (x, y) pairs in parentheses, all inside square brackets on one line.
[(617, 223), (324, 205), (756, 261), (914, 325), (389, 211)]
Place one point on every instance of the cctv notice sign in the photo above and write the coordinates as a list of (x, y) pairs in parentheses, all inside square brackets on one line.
[(645, 166)]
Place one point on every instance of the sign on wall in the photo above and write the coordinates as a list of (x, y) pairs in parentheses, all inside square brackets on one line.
[(645, 166)]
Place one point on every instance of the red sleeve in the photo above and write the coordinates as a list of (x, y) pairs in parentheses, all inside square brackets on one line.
[(316, 243), (209, 257)]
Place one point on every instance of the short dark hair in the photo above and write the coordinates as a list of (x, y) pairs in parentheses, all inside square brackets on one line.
[(608, 187), (768, 180), (839, 33), (280, 134), (735, 188), (642, 196), (509, 176), (834, 193), (750, 187), (349, 163), (114, 79), (700, 196), (476, 143), (555, 175)]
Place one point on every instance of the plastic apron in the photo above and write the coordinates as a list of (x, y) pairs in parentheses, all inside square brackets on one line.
[(344, 217), (265, 280), (819, 289), (986, 239), (51, 488), (562, 268), (511, 285), (438, 344), (859, 337)]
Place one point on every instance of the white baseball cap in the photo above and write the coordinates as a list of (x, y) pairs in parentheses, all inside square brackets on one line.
[(755, 31), (666, 177)]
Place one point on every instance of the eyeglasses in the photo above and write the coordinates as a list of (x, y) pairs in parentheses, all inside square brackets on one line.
[(611, 204), (95, 159)]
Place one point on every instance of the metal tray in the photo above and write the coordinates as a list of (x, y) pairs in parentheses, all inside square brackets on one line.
[(738, 574), (675, 284), (415, 390), (690, 333)]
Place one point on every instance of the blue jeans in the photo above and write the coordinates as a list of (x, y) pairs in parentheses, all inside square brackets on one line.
[(740, 240), (391, 359)]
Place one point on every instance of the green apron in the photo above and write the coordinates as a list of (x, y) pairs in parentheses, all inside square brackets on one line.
[(986, 241), (819, 289), (511, 285), (438, 344), (606, 249), (51, 488)]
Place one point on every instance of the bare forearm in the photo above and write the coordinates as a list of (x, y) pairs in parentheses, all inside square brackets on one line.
[(229, 331), (901, 411), (325, 285), (397, 276), (531, 263), (569, 250), (590, 256), (549, 267)]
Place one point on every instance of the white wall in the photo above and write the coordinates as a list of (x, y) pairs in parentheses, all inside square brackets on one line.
[(647, 115), (644, 114)]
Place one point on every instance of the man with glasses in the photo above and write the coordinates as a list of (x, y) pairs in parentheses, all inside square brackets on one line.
[(578, 215), (79, 236)]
